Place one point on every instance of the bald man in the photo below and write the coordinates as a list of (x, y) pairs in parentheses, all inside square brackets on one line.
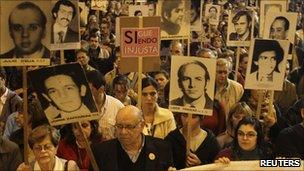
[(132, 150)]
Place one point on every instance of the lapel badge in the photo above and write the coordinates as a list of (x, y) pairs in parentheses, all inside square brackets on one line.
[(151, 156)]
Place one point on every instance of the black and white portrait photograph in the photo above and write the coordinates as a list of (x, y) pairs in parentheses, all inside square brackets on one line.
[(212, 14), (24, 33), (267, 64), (174, 19), (240, 28), (64, 93), (138, 10), (192, 85), (65, 25), (195, 15), (268, 7), (100, 5), (281, 26)]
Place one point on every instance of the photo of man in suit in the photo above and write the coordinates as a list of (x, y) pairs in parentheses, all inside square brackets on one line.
[(64, 11), (267, 56), (27, 28), (242, 22), (279, 28), (63, 91), (193, 78)]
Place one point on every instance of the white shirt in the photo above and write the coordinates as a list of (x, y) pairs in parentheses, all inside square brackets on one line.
[(108, 117)]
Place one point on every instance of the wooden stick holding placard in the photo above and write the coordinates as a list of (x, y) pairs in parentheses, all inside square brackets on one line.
[(238, 51), (62, 57), (259, 106), (189, 133), (87, 147), (140, 63), (270, 104), (25, 115)]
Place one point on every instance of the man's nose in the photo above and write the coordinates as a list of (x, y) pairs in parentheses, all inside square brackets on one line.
[(25, 33), (190, 84)]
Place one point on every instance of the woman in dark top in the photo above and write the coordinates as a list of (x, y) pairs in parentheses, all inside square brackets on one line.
[(203, 145), (248, 144)]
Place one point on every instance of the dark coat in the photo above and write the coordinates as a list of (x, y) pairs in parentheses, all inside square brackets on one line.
[(10, 156), (12, 104), (70, 37), (106, 154), (206, 152), (179, 102)]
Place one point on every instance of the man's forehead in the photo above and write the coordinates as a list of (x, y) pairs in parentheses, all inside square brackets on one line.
[(60, 78), (65, 7), (18, 16)]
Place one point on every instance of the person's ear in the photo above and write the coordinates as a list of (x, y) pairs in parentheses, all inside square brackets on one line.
[(46, 97), (83, 90)]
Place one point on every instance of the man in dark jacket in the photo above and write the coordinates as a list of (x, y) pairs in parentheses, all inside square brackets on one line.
[(132, 150)]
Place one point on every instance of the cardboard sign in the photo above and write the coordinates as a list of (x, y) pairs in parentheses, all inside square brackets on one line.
[(24, 62), (140, 42)]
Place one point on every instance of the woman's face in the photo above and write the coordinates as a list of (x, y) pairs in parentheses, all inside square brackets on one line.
[(247, 137), (44, 151), (86, 127), (195, 121), (149, 96)]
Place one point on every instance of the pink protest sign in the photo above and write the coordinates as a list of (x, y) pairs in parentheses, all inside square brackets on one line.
[(140, 42)]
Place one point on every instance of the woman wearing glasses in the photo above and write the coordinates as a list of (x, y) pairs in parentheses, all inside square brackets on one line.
[(43, 140), (158, 121), (248, 144)]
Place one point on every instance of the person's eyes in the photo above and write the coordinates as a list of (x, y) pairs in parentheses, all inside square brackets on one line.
[(17, 27), (52, 91), (70, 87), (199, 78), (33, 27), (185, 78), (84, 125)]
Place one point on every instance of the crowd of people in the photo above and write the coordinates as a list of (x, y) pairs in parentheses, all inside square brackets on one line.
[(153, 137)]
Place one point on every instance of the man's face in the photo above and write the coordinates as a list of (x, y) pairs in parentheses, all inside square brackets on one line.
[(63, 91), (161, 80), (82, 58), (177, 49), (120, 92), (64, 15), (277, 30), (128, 128), (104, 29), (243, 64), (267, 62), (151, 10), (221, 74), (177, 14), (94, 43), (2, 83), (26, 30), (193, 82), (242, 25)]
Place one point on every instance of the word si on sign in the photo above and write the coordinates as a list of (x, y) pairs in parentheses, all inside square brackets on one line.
[(140, 42)]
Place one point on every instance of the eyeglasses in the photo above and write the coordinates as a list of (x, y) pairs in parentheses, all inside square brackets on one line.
[(248, 135), (127, 127), (152, 94), (46, 147)]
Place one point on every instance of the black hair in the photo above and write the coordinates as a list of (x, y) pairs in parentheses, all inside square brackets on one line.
[(239, 14), (286, 22), (261, 46), (212, 7), (121, 80), (30, 5), (182, 68), (65, 3), (165, 73), (96, 79), (137, 12), (149, 81)]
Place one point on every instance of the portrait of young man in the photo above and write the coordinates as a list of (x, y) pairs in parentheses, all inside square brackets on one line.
[(193, 80), (27, 29), (173, 18), (267, 57), (242, 23), (63, 92), (279, 28), (64, 12)]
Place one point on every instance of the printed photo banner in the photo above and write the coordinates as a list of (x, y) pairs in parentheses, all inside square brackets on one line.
[(64, 94), (20, 44), (192, 85), (266, 64)]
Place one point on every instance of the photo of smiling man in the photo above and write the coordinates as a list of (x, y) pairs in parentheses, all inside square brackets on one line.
[(64, 93), (64, 12), (194, 81)]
